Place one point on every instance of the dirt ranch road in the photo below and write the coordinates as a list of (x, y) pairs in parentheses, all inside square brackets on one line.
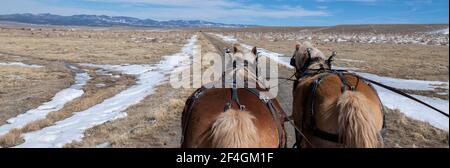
[(401, 130)]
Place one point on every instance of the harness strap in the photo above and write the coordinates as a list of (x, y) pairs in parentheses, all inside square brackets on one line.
[(325, 135), (235, 98), (344, 82), (316, 131), (188, 111), (312, 121), (315, 86), (278, 124), (275, 116), (257, 68)]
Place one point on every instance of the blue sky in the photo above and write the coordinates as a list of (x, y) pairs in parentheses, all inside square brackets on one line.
[(259, 12)]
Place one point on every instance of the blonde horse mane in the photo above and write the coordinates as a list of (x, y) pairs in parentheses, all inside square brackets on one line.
[(315, 52), (234, 129), (357, 128)]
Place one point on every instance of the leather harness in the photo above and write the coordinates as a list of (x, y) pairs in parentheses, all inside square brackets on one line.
[(277, 114), (345, 85)]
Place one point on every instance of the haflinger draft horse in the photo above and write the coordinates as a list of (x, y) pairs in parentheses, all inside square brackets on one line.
[(333, 108), (232, 118)]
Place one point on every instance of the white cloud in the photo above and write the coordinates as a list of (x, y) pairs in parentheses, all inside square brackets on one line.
[(216, 9), (347, 1), (212, 10), (31, 6)]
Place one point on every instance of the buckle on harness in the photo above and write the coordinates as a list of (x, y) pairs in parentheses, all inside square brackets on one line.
[(227, 107), (264, 98), (242, 107), (198, 94)]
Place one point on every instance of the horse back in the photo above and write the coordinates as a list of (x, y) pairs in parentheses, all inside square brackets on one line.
[(200, 113), (319, 109)]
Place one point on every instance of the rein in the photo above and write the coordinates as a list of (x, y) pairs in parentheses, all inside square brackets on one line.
[(286, 80), (405, 95)]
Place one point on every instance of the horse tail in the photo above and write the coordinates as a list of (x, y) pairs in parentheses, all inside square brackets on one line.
[(357, 128), (234, 129)]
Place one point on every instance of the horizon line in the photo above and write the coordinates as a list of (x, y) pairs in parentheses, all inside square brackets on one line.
[(242, 24)]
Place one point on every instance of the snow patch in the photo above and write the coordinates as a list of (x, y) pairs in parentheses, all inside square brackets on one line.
[(405, 83), (73, 128), (442, 31), (228, 39), (57, 103), (350, 60), (415, 110), (19, 64), (100, 85), (104, 145)]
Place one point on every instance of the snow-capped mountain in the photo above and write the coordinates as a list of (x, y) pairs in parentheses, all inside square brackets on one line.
[(106, 21)]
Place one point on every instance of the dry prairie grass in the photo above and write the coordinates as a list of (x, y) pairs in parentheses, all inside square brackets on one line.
[(403, 132), (92, 46), (13, 137)]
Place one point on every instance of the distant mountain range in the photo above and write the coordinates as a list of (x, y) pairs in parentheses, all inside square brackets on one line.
[(107, 21)]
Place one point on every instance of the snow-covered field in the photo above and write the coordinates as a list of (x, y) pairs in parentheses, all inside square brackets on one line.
[(424, 39), (72, 128), (350, 60), (58, 101), (442, 31), (390, 99), (437, 37)]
